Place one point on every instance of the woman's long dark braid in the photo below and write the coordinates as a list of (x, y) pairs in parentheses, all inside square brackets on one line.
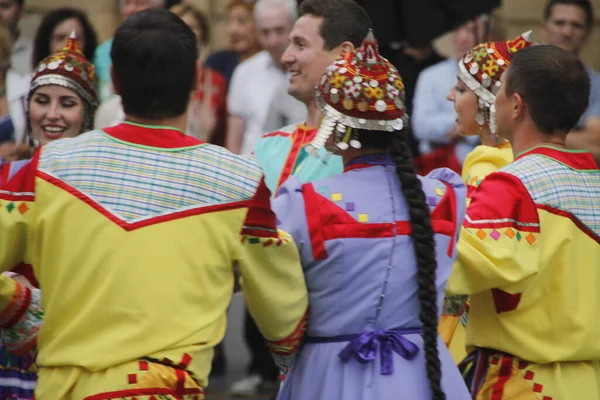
[(423, 239)]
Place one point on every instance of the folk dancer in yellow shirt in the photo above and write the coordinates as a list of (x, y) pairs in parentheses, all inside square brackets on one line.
[(529, 248), (132, 233)]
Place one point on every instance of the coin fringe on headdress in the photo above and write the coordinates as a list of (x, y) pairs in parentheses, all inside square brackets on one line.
[(485, 95), (367, 55), (53, 70)]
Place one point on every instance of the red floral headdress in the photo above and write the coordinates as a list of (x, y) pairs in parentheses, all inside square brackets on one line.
[(69, 68), (360, 90), (482, 67)]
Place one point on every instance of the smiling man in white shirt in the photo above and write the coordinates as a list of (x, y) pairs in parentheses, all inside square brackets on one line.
[(256, 80)]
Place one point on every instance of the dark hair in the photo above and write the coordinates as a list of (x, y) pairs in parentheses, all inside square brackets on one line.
[(171, 3), (343, 20), (154, 64), (424, 244), (43, 36), (585, 5), (553, 83)]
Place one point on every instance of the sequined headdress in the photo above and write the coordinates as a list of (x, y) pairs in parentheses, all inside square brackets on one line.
[(69, 68), (482, 67), (360, 90)]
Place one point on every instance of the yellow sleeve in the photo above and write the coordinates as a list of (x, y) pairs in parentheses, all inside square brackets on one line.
[(273, 280), (12, 296), (500, 241), (17, 182), (14, 219), (482, 161), (21, 315)]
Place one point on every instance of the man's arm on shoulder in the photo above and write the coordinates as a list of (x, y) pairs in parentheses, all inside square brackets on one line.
[(273, 279)]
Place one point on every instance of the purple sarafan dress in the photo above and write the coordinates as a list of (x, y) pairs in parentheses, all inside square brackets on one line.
[(364, 334)]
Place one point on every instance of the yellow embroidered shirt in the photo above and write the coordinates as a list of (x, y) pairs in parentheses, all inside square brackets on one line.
[(529, 252), (132, 233)]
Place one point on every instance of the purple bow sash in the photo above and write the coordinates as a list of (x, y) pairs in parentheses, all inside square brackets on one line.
[(364, 346)]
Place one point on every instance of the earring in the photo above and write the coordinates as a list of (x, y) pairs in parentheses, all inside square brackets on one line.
[(480, 118), (355, 143), (343, 141), (493, 120)]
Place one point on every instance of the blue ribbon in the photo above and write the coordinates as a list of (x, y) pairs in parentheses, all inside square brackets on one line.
[(364, 348)]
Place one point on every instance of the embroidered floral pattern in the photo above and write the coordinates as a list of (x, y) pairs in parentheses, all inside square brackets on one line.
[(337, 80), (266, 242), (491, 68), (149, 394), (455, 305), (17, 306), (374, 93), (480, 53), (352, 89), (22, 336), (284, 350)]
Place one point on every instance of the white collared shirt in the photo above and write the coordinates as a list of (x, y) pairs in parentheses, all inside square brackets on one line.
[(21, 55), (17, 89), (252, 88)]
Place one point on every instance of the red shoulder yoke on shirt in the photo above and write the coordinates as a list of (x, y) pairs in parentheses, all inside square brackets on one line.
[(576, 159), (502, 201), (21, 186), (154, 136), (328, 221)]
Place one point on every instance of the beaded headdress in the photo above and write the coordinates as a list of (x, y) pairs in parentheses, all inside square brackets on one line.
[(481, 68), (360, 90), (69, 68)]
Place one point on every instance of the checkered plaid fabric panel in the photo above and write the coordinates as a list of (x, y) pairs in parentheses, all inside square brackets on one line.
[(136, 182), (555, 184)]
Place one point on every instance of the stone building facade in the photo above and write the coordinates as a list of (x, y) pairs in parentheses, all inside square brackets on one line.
[(516, 16)]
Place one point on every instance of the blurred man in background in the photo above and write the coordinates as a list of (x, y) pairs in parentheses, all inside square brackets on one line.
[(568, 24)]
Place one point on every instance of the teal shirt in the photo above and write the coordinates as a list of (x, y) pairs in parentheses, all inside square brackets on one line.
[(284, 152), (102, 61)]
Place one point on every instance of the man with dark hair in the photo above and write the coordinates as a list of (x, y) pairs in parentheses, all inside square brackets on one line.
[(132, 233), (11, 12), (568, 24), (325, 30), (529, 247), (137, 62)]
